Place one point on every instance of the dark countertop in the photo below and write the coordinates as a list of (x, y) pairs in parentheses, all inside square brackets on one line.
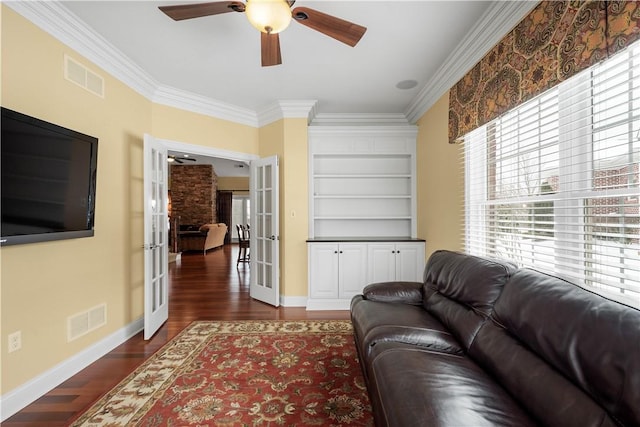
[(363, 239)]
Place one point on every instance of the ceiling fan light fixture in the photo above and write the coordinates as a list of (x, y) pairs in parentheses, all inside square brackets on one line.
[(269, 16)]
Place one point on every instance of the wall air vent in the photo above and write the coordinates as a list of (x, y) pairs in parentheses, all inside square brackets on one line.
[(84, 322), (82, 76)]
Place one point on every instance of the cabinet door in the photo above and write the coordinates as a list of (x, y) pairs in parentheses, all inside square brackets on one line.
[(409, 258), (352, 270), (323, 270), (382, 262)]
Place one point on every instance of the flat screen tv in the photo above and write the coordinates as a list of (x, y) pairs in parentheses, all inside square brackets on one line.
[(48, 181)]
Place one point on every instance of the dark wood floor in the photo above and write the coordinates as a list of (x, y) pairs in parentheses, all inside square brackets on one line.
[(202, 287)]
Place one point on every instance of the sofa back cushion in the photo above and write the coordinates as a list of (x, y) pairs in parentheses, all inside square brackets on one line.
[(206, 227), (460, 290), (570, 356)]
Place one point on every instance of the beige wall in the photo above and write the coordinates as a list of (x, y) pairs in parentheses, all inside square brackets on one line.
[(45, 283), (440, 181), (294, 208), (288, 140), (237, 184), (186, 127)]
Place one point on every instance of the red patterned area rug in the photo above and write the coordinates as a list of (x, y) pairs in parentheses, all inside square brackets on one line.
[(243, 373)]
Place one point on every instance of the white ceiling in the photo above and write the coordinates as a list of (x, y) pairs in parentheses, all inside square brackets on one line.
[(218, 56), (215, 60)]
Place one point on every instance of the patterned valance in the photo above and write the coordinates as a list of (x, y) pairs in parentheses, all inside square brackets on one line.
[(555, 41)]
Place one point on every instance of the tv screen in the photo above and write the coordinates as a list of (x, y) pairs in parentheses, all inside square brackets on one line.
[(48, 181)]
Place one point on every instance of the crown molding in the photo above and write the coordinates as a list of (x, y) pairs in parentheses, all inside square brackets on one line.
[(55, 19), (288, 109), (406, 130), (59, 22), (354, 119), (495, 23), (189, 101)]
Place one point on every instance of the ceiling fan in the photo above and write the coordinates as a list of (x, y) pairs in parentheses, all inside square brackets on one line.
[(179, 160), (271, 17)]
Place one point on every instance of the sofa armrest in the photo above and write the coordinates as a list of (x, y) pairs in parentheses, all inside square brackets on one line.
[(400, 292)]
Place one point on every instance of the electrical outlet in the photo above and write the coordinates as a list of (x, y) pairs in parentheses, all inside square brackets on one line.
[(15, 341)]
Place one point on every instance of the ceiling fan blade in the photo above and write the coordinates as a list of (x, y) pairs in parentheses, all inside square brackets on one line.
[(341, 30), (188, 11), (270, 47)]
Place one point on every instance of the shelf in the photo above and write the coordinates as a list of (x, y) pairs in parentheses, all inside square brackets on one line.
[(360, 217), (350, 158), (362, 182), (347, 176), (360, 196), (363, 227)]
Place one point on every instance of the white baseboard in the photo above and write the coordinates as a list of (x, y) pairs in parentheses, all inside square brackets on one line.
[(293, 301), (27, 393), (328, 304)]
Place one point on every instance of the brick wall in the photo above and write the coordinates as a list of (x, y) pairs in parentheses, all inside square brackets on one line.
[(193, 194)]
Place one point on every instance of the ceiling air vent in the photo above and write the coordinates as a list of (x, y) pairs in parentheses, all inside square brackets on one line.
[(82, 76)]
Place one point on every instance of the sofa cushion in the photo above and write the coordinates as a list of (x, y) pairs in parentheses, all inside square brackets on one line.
[(412, 386), (375, 322), (205, 227), (571, 356), (460, 290), (404, 292)]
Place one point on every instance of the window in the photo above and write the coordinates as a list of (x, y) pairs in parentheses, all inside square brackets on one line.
[(554, 184), (240, 214)]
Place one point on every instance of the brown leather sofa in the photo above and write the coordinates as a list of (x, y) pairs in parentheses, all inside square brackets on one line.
[(207, 236), (482, 343)]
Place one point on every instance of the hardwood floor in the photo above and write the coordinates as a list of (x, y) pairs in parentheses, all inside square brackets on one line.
[(202, 287)]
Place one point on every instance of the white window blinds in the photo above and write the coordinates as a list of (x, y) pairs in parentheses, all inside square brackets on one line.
[(554, 184)]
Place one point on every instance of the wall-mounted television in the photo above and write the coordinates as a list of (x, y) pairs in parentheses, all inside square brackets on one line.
[(47, 181)]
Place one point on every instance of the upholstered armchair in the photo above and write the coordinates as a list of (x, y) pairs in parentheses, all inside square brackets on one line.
[(209, 236)]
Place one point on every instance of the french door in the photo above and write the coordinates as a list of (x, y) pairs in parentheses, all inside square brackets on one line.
[(265, 229), (156, 247)]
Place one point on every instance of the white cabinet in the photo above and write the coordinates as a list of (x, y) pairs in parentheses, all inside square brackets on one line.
[(362, 181), (362, 211), (340, 270), (395, 261), (337, 272)]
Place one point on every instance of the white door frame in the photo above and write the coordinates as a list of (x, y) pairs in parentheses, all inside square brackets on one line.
[(202, 151), (208, 151)]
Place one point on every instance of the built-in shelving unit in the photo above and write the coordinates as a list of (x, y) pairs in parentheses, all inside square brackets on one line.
[(362, 181), (362, 204)]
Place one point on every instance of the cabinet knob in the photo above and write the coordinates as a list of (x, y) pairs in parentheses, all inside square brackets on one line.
[(340, 251), (335, 252), (393, 252)]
